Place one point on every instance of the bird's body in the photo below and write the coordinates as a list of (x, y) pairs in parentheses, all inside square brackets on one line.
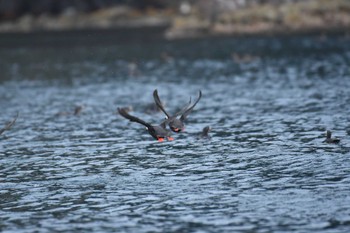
[(158, 132), (329, 138), (8, 125), (205, 132), (176, 124)]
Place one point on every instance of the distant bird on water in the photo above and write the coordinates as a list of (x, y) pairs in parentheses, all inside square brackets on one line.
[(77, 110), (152, 108), (205, 133), (133, 69), (9, 124), (329, 138)]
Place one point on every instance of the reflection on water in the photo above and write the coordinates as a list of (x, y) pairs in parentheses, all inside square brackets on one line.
[(264, 169)]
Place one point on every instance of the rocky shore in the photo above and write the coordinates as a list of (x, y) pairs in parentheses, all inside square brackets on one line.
[(198, 18)]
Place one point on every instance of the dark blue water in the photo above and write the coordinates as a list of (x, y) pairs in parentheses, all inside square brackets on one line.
[(265, 168)]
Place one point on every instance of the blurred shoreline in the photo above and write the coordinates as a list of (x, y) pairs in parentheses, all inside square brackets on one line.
[(192, 21)]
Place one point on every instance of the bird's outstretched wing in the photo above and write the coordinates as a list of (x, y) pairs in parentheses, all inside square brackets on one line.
[(189, 110), (183, 110), (160, 106), (124, 113), (159, 103)]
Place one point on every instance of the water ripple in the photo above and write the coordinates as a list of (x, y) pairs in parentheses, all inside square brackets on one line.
[(264, 168)]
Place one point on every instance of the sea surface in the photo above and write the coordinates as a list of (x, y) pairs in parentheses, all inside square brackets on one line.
[(269, 101)]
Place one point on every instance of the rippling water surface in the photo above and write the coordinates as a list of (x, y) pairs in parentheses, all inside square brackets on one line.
[(265, 168)]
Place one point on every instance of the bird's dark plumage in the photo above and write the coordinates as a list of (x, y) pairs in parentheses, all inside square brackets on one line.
[(205, 132), (189, 110), (329, 138), (8, 125), (158, 132), (78, 110), (175, 124)]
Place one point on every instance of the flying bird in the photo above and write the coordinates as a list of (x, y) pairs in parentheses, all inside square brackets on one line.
[(176, 124), (158, 132)]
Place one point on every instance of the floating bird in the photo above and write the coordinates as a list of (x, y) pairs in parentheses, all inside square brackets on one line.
[(166, 57), (205, 132), (175, 124), (9, 125), (133, 69), (329, 138), (78, 110), (152, 108), (243, 58), (127, 109), (158, 132)]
